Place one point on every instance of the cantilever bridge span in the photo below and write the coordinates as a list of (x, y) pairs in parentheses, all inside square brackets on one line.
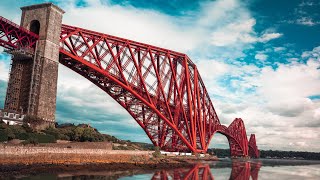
[(161, 89)]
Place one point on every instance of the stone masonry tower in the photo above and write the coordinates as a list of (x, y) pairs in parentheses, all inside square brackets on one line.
[(32, 83)]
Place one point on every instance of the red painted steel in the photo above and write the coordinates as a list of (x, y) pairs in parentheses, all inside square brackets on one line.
[(237, 137), (161, 89), (12, 36), (253, 148)]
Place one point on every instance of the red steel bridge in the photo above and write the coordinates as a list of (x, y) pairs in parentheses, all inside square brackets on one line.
[(161, 89)]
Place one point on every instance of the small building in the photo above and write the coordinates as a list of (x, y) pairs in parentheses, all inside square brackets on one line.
[(166, 153), (11, 117), (169, 153)]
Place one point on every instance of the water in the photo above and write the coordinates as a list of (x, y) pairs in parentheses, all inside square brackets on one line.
[(225, 169)]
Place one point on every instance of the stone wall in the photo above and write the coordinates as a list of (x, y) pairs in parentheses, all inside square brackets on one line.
[(81, 145), (51, 155)]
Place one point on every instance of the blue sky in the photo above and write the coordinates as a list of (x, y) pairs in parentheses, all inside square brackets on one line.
[(259, 59)]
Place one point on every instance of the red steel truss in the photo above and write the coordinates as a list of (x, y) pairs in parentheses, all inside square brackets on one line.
[(161, 89), (12, 36), (253, 148)]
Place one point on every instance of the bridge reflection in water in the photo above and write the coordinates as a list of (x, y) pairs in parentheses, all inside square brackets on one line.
[(240, 171)]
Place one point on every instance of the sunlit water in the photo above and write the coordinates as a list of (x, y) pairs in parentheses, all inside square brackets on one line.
[(225, 169)]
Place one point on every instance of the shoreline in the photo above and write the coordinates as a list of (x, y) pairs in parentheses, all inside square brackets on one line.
[(38, 169), (29, 160)]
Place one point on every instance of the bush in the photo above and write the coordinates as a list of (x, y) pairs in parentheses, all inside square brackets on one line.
[(17, 130), (9, 133), (23, 136), (45, 138), (27, 128), (157, 152), (52, 131), (3, 136), (3, 125), (31, 140)]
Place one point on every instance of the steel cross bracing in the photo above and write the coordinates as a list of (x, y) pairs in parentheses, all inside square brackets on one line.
[(161, 89), (12, 36)]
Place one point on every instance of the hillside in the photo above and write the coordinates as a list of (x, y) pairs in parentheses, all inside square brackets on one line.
[(67, 132)]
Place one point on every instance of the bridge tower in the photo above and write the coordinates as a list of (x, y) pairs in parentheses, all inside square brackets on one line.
[(32, 85)]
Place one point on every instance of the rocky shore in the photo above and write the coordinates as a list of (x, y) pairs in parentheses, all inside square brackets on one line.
[(22, 160)]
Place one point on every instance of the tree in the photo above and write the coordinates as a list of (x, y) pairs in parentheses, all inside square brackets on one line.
[(88, 135), (77, 133), (157, 152)]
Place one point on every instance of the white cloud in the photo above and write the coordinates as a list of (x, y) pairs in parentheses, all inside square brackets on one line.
[(269, 36), (3, 71), (316, 114), (212, 68), (4, 62), (293, 59), (284, 104), (291, 80), (308, 21), (315, 53), (227, 22), (214, 12), (279, 110), (146, 26), (261, 57), (279, 49), (240, 32)]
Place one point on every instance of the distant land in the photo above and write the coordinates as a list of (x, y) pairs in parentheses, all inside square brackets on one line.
[(273, 154)]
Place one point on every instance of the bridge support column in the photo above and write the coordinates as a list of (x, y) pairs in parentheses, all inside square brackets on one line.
[(44, 20)]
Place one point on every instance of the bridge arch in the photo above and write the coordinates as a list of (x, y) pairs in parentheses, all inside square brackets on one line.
[(161, 89), (237, 137)]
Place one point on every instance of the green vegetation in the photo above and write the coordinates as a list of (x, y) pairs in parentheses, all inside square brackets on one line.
[(80, 133), (24, 132), (156, 153), (273, 154), (69, 132), (221, 153)]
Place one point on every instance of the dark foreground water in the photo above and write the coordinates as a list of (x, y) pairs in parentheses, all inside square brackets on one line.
[(224, 169)]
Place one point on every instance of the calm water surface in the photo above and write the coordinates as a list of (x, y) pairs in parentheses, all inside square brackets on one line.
[(225, 169)]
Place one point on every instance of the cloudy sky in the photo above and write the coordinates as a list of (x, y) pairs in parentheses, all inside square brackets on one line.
[(259, 59)]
